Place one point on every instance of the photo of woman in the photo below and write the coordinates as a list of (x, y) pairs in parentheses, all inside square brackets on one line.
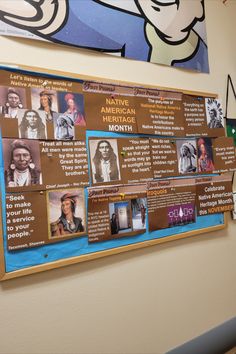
[(44, 100), (205, 159), (66, 212), (73, 110)]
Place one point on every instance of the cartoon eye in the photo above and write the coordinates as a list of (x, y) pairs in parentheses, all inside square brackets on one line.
[(38, 16)]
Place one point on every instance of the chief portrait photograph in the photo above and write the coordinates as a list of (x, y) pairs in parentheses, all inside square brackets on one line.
[(104, 160), (11, 100), (64, 127), (21, 162), (187, 156), (214, 113), (32, 124)]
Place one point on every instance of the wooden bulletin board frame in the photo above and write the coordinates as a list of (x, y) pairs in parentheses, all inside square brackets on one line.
[(119, 249)]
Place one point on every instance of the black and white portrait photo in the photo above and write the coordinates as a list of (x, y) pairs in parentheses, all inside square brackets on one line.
[(21, 162), (187, 156), (64, 128), (11, 100), (214, 113), (104, 160), (32, 124)]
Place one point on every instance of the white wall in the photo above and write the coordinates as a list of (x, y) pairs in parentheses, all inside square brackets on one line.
[(145, 301)]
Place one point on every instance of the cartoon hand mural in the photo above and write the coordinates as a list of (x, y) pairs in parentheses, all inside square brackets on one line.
[(172, 19), (42, 17), (160, 31)]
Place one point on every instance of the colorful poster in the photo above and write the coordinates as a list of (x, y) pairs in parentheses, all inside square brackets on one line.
[(165, 31), (171, 203)]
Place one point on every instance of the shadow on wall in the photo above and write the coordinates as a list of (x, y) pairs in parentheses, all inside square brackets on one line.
[(216, 341)]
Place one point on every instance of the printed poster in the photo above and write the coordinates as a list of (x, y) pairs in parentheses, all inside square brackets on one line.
[(39, 218), (203, 116), (38, 165), (116, 212), (120, 161), (39, 107), (214, 195), (134, 29), (171, 203)]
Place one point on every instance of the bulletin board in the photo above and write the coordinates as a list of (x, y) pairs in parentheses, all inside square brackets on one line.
[(53, 254)]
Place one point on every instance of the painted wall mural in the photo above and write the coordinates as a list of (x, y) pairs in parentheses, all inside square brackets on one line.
[(169, 32)]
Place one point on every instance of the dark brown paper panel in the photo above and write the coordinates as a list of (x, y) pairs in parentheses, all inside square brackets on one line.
[(67, 160), (116, 216), (28, 81), (110, 113), (164, 157), (25, 212), (214, 197), (135, 160), (9, 127), (224, 154), (195, 116), (160, 116)]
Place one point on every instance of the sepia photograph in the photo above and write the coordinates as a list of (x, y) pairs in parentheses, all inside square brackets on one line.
[(21, 162), (214, 113), (104, 160), (64, 128), (32, 124), (11, 100), (187, 156)]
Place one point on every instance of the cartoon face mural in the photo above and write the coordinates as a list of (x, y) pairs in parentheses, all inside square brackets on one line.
[(170, 32)]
